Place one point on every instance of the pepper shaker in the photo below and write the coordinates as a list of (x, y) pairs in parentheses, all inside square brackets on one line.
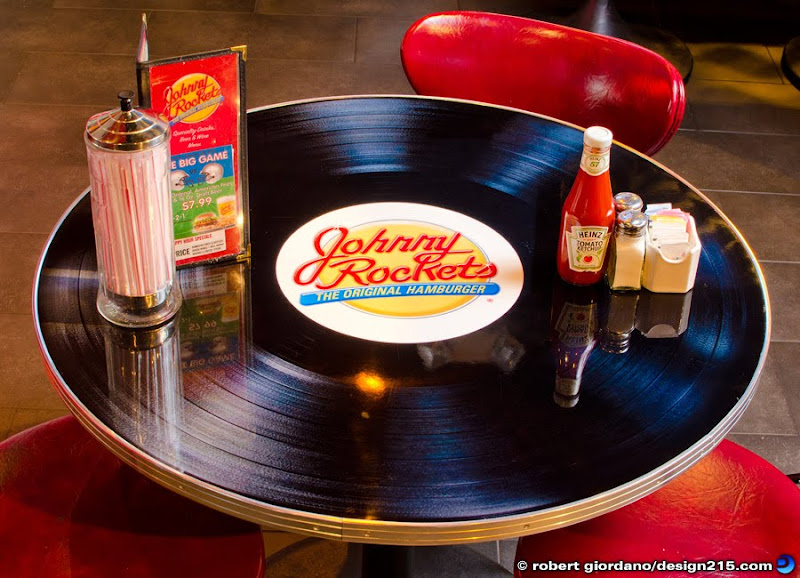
[(627, 257)]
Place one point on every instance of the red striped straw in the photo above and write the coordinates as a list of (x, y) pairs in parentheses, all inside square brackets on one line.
[(133, 218)]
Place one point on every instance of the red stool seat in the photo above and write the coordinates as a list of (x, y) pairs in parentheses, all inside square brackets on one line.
[(69, 508), (573, 75), (732, 505)]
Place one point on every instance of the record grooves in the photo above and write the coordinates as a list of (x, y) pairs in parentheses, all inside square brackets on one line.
[(464, 429)]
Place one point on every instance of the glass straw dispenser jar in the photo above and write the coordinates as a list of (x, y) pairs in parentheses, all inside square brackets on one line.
[(129, 161)]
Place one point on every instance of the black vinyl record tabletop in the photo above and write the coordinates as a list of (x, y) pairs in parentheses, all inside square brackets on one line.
[(288, 423)]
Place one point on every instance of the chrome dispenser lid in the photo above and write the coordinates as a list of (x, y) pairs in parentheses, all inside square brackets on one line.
[(126, 129)]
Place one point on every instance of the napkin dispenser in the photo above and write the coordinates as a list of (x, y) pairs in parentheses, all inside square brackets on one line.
[(666, 271)]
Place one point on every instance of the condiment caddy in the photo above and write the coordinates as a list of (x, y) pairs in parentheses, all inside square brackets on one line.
[(658, 249), (671, 267)]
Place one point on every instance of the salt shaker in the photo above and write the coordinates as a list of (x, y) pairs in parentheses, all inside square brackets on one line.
[(627, 257), (129, 162)]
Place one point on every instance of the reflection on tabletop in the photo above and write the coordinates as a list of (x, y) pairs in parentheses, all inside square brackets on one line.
[(576, 329), (148, 369)]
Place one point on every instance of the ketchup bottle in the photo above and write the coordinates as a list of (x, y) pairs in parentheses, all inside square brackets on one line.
[(587, 218)]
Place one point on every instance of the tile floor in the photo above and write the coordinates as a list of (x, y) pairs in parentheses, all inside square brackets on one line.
[(63, 60)]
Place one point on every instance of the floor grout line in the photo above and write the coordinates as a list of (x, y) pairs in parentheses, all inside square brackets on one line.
[(253, 12), (745, 132), (783, 435), (46, 233), (16, 410), (778, 262), (148, 10), (770, 82), (792, 435), (355, 41), (750, 192), (24, 232), (99, 106), (157, 56), (70, 53), (49, 105)]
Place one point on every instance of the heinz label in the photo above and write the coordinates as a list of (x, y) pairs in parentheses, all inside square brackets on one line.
[(595, 161), (586, 247), (201, 98), (399, 272)]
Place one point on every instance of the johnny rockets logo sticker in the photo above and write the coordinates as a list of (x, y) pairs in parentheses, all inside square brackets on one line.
[(399, 272), (192, 98)]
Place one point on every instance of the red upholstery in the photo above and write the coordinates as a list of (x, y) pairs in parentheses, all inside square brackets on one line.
[(569, 74), (69, 508), (732, 505)]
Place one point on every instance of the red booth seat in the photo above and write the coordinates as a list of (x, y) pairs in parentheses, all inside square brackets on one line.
[(731, 506), (69, 509), (573, 75)]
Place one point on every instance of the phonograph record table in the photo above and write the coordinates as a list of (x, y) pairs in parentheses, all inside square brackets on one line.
[(381, 435)]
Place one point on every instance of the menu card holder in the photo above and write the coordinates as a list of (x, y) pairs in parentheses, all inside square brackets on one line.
[(202, 97)]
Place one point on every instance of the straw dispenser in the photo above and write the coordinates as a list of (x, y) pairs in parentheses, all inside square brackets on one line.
[(129, 162)]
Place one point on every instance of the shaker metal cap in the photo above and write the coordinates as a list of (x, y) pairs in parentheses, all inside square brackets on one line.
[(628, 202), (126, 129), (631, 222)]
